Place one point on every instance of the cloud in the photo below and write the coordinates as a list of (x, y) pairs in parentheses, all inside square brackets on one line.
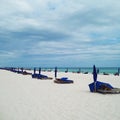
[(60, 31)]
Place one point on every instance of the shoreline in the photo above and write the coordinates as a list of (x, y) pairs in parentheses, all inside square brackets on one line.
[(85, 70)]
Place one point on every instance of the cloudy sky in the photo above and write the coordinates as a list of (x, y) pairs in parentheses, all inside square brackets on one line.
[(60, 33)]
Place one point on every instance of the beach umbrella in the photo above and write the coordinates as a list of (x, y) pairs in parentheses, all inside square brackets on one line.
[(98, 71), (79, 70), (55, 72), (118, 71), (34, 70), (94, 77), (66, 70), (22, 69), (18, 69), (94, 74), (39, 71)]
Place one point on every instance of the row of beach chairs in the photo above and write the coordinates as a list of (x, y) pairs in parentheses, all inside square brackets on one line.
[(95, 87)]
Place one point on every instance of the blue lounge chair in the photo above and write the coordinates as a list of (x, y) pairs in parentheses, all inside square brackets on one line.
[(39, 75), (102, 87), (63, 80)]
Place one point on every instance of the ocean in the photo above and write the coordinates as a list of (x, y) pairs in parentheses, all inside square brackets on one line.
[(107, 70)]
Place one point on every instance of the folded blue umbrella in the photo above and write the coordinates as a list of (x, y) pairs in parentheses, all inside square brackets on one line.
[(55, 72)]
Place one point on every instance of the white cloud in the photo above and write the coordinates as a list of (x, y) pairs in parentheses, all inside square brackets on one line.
[(22, 6), (7, 54), (73, 29)]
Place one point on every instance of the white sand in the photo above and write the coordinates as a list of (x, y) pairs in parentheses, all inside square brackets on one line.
[(24, 98)]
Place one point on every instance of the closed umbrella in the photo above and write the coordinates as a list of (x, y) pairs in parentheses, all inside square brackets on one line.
[(55, 72), (39, 71), (34, 70), (22, 69), (118, 71), (94, 77)]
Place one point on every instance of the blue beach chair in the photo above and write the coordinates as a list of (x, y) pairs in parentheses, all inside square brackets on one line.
[(102, 87), (63, 80), (39, 76)]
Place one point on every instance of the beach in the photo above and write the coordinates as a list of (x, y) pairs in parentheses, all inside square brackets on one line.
[(25, 98)]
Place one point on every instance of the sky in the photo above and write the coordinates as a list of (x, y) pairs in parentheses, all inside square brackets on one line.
[(48, 33)]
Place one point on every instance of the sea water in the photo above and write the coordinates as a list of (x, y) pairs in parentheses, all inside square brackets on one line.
[(108, 70)]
